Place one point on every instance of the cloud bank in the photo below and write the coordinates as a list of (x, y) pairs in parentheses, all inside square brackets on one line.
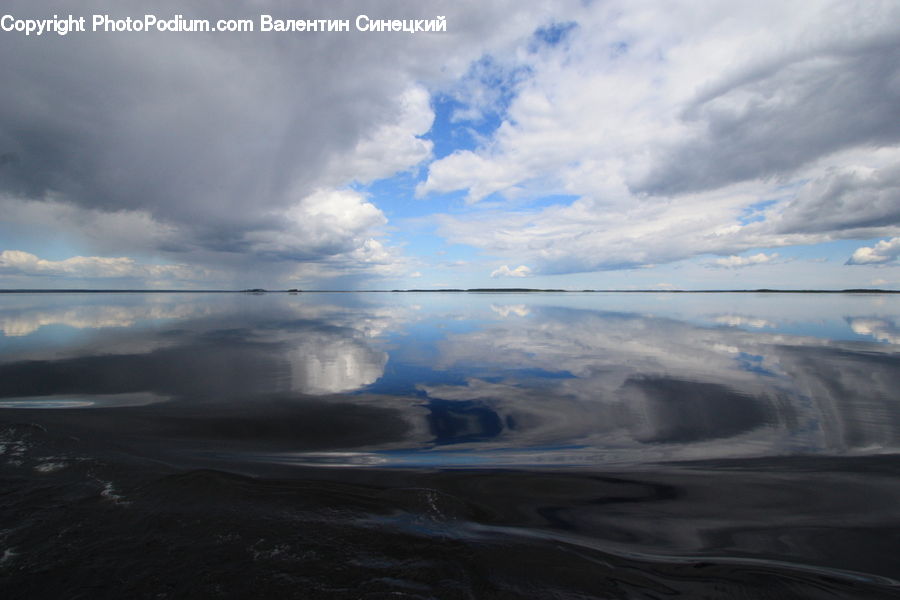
[(236, 150), (573, 138), (15, 262), (684, 133)]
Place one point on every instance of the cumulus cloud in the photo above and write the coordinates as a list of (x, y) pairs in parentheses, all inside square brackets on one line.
[(214, 138), (733, 262), (883, 252), (325, 223), (505, 271), (642, 135), (249, 121), (393, 146), (738, 127)]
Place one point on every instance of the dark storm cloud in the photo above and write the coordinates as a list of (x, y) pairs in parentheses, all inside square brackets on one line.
[(783, 115), (208, 132), (168, 123)]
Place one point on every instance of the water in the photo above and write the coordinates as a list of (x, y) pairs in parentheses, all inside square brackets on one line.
[(441, 445)]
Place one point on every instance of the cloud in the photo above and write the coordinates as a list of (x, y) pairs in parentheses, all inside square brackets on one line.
[(505, 271), (394, 146), (250, 121), (733, 262), (222, 140), (587, 235), (845, 198), (603, 135), (370, 259), (673, 136), (324, 223), (883, 252), (103, 232), (16, 262), (779, 115)]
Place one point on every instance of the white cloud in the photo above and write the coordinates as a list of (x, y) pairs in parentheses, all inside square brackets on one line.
[(17, 262), (885, 251), (587, 236), (393, 147), (379, 259), (505, 271), (745, 261), (324, 223), (213, 141), (678, 133), (688, 133)]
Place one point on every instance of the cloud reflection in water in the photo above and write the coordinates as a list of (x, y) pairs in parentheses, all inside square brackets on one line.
[(554, 381)]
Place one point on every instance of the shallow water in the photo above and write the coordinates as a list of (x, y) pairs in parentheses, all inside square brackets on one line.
[(450, 445)]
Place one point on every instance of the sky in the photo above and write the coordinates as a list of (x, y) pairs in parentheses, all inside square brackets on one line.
[(561, 144)]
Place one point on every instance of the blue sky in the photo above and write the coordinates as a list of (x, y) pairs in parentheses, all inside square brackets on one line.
[(579, 145)]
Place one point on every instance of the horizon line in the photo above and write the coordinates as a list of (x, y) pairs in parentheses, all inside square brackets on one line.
[(447, 290)]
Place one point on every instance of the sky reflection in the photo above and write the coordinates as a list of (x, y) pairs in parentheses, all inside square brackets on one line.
[(465, 379)]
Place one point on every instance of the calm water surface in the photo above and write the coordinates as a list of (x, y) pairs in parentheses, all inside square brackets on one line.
[(450, 445)]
